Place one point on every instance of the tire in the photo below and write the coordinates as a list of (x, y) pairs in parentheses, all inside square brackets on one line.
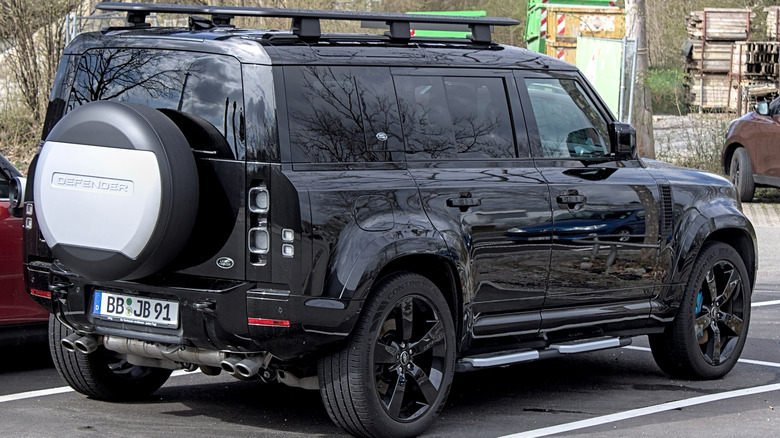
[(708, 335), (357, 384), (100, 375), (741, 175), (116, 190), (623, 234)]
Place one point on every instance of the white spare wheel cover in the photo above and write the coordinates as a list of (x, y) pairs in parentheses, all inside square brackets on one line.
[(116, 190)]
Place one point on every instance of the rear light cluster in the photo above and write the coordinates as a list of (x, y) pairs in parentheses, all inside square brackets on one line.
[(259, 238)]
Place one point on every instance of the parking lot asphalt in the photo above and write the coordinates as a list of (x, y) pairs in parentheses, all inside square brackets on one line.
[(611, 393)]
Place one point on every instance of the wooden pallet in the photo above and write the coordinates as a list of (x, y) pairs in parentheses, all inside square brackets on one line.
[(772, 23), (711, 57), (717, 24)]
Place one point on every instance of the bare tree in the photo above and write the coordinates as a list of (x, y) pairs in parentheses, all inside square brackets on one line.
[(32, 33)]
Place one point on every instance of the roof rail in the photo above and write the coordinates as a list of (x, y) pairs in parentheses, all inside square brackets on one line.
[(306, 23)]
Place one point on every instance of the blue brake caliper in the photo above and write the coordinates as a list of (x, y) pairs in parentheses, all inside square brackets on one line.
[(699, 303)]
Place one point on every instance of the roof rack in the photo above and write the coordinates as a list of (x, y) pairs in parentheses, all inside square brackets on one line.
[(306, 23)]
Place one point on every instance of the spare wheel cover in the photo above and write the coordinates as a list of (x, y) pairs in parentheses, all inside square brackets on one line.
[(116, 190)]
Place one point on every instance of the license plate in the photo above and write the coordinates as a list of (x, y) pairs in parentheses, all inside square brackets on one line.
[(136, 310)]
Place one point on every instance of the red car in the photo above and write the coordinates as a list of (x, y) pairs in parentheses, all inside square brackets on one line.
[(750, 157), (21, 319)]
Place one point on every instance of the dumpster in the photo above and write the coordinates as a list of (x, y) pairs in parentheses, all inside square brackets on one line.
[(566, 24), (536, 19)]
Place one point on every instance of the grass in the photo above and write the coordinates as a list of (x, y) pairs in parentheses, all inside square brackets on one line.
[(693, 141), (667, 88)]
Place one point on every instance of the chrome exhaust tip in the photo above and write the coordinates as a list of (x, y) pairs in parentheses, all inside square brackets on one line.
[(229, 365), (86, 344), (68, 342), (248, 367)]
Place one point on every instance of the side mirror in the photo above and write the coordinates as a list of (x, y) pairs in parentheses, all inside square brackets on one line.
[(762, 108), (622, 139), (18, 185)]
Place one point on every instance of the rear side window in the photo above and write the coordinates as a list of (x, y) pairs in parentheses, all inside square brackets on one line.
[(342, 114), (568, 122), (455, 117), (204, 85)]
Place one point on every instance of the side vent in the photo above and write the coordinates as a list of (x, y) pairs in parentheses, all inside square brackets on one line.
[(667, 210)]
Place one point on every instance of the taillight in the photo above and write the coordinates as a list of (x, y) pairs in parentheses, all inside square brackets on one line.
[(259, 238)]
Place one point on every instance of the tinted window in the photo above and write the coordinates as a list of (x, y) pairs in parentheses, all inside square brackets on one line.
[(4, 186), (340, 114), (261, 129), (455, 117), (204, 85), (568, 122)]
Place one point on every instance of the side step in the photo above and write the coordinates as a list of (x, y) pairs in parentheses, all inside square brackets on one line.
[(502, 358)]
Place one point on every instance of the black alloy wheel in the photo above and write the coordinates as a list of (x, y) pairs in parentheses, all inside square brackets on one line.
[(410, 359), (720, 313), (708, 335), (395, 374)]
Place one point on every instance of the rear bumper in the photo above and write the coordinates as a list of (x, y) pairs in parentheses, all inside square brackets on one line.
[(214, 314)]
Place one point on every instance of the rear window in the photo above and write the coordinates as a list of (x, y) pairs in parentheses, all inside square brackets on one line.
[(204, 85)]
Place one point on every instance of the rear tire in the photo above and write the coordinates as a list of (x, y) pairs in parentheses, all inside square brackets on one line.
[(101, 375), (395, 374), (741, 175), (708, 335)]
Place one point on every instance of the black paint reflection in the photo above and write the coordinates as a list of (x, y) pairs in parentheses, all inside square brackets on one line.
[(582, 227)]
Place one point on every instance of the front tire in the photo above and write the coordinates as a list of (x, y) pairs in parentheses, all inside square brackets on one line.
[(741, 175), (395, 374), (708, 335), (100, 375)]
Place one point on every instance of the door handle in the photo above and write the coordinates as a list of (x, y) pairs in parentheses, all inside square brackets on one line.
[(572, 200), (464, 202)]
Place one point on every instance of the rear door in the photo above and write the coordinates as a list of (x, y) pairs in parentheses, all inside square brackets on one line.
[(15, 305), (605, 210), (469, 155)]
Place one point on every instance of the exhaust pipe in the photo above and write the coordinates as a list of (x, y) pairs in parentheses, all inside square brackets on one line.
[(86, 344), (248, 367), (68, 342), (229, 365)]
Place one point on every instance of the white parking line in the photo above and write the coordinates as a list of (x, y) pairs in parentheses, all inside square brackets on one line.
[(748, 361), (34, 394), (60, 390), (765, 303), (597, 421), (664, 407)]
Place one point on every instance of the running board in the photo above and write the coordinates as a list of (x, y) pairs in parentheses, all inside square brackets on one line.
[(490, 360)]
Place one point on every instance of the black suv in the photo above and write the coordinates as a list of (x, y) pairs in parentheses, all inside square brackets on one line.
[(362, 214)]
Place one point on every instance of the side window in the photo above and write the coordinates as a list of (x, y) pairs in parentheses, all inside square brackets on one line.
[(455, 117), (568, 122), (340, 114), (775, 107)]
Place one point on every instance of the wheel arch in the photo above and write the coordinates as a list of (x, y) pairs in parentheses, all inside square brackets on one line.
[(741, 241), (441, 271), (728, 153), (714, 224), (427, 256)]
